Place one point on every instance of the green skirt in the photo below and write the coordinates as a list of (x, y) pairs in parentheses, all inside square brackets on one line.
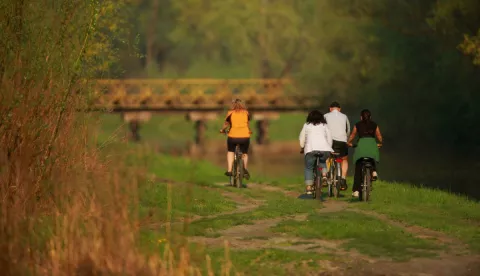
[(367, 147)]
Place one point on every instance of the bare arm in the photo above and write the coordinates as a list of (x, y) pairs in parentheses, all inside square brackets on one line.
[(348, 126), (302, 137), (378, 134), (225, 125), (352, 135)]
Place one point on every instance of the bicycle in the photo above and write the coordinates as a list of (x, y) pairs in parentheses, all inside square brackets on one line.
[(236, 178), (317, 177), (237, 170), (334, 174), (367, 164)]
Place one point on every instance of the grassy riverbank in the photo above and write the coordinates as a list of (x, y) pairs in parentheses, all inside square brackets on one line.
[(272, 228)]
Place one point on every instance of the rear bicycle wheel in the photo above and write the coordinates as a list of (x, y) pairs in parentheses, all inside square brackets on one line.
[(239, 172), (367, 182), (331, 184), (318, 187), (338, 177), (234, 172)]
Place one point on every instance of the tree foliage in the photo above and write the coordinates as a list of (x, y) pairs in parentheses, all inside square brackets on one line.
[(394, 57)]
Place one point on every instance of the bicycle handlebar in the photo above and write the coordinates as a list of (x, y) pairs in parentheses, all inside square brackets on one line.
[(356, 145)]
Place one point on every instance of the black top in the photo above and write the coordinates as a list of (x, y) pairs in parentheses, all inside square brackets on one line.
[(366, 129)]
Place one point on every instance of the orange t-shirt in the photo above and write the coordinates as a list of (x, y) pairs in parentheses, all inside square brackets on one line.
[(238, 124)]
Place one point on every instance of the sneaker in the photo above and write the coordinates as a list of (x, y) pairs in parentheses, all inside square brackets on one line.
[(355, 194), (309, 190), (228, 173), (374, 175), (246, 174)]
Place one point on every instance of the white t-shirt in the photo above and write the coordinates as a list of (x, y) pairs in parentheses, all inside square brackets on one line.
[(338, 124), (314, 138)]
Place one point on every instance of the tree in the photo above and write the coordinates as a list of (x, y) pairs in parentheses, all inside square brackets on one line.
[(471, 46), (459, 19)]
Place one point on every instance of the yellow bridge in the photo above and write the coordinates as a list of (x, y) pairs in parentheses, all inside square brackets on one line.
[(198, 94), (200, 99)]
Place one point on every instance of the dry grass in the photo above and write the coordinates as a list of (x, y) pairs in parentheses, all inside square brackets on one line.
[(65, 208)]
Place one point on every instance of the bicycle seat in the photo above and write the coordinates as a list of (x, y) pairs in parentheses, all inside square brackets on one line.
[(318, 154), (367, 160), (335, 153)]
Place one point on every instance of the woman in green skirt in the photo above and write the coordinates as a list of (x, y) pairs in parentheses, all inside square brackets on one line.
[(368, 133)]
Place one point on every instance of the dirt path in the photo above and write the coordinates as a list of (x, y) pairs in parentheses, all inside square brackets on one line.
[(244, 204), (456, 260)]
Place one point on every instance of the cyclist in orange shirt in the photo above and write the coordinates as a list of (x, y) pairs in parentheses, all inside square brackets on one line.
[(238, 119)]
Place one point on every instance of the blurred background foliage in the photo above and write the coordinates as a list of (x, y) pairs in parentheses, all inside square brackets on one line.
[(413, 63)]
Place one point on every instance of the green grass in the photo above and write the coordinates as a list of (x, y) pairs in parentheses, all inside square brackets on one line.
[(440, 211), (366, 234), (276, 205), (451, 214), (186, 199), (186, 170), (266, 261), (269, 261), (287, 127)]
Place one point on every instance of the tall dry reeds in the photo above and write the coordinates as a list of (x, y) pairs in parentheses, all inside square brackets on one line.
[(65, 210)]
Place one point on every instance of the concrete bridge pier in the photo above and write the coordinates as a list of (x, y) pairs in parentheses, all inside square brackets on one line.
[(263, 122), (134, 120), (200, 120)]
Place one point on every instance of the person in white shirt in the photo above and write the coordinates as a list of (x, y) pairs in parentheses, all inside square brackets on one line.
[(315, 138), (339, 126)]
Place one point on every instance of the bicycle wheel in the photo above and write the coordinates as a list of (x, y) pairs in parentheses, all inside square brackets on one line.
[(331, 171), (338, 178), (367, 182), (239, 173), (331, 184), (318, 188), (233, 176)]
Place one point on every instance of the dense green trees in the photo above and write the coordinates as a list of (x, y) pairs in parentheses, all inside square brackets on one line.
[(409, 61)]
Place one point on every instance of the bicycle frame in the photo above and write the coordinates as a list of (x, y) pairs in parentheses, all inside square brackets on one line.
[(317, 176), (237, 170), (367, 166), (334, 174)]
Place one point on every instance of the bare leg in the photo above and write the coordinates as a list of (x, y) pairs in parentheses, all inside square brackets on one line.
[(245, 161), (230, 158), (344, 167)]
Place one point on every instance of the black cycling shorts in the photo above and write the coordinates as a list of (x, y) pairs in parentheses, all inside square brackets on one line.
[(340, 147), (243, 142)]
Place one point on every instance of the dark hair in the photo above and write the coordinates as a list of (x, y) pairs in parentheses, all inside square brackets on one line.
[(335, 104), (316, 117), (365, 115)]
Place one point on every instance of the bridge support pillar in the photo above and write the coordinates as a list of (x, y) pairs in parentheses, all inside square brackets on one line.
[(134, 127), (263, 122), (134, 119), (200, 127), (200, 119)]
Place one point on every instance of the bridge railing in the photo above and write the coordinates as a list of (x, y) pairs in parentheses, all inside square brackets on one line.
[(197, 94)]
